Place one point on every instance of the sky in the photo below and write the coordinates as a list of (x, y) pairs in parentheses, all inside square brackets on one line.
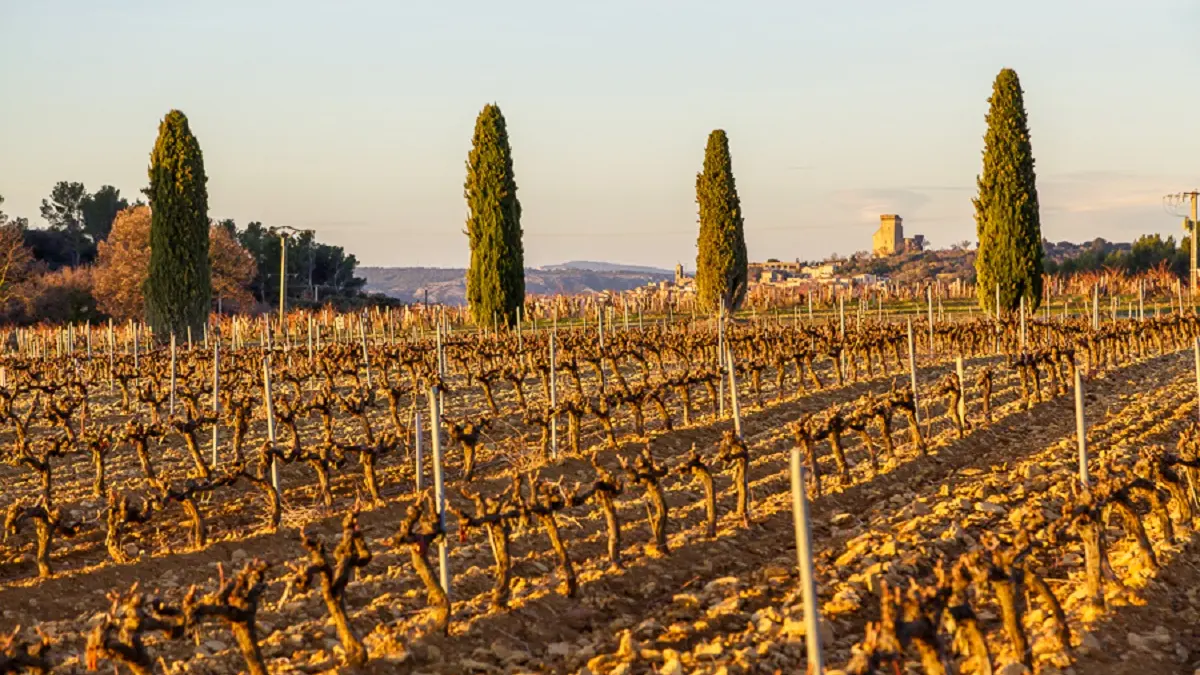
[(354, 118)]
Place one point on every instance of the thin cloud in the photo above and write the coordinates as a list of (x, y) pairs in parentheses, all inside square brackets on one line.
[(308, 224), (940, 188), (1102, 191), (1096, 175), (870, 202), (1101, 204)]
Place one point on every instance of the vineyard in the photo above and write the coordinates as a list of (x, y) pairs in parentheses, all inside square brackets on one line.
[(348, 494)]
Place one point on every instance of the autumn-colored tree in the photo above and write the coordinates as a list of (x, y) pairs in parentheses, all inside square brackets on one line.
[(16, 260), (233, 270), (62, 296), (124, 263)]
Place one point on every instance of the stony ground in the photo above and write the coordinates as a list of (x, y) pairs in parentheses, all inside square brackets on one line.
[(727, 604)]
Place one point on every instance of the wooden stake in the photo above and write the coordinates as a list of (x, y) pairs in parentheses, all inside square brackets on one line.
[(1081, 429), (270, 419), (173, 372), (808, 587), (733, 391), (912, 370), (419, 468), (962, 388), (439, 487), (216, 404)]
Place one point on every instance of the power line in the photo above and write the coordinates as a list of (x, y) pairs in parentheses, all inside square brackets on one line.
[(1173, 203), (1176, 204)]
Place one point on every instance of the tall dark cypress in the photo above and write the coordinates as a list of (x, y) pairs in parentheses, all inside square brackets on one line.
[(179, 286), (1006, 210), (496, 277), (721, 257)]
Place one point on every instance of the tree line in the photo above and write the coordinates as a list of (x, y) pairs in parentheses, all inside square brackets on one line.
[(178, 287), (1147, 252), (496, 275), (1008, 263), (92, 258)]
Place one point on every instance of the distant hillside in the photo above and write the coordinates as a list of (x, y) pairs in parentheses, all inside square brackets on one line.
[(594, 266), (448, 286), (1062, 257)]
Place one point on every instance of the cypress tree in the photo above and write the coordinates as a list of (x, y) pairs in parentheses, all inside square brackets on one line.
[(1006, 210), (721, 258), (179, 286), (496, 277)]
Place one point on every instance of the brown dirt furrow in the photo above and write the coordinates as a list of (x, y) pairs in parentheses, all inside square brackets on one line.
[(622, 601), (59, 597)]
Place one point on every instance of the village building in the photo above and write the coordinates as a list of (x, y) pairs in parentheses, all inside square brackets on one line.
[(889, 239)]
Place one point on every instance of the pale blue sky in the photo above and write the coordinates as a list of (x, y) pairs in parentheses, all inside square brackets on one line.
[(354, 118)]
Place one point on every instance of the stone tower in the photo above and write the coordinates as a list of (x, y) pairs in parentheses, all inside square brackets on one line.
[(889, 238)]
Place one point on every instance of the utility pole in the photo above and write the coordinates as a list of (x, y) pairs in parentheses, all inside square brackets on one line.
[(283, 237), (1192, 228), (282, 276), (1174, 203)]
